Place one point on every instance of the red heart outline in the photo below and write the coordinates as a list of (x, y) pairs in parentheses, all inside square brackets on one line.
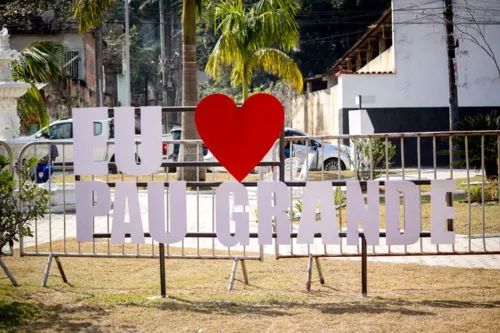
[(239, 138)]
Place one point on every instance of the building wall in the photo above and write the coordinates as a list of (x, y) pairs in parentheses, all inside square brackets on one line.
[(67, 93), (382, 63), (420, 59), (318, 112), (89, 62), (73, 41)]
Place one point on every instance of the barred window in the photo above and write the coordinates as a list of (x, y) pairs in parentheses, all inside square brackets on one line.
[(71, 69)]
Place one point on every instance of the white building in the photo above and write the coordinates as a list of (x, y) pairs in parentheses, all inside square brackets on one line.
[(400, 68)]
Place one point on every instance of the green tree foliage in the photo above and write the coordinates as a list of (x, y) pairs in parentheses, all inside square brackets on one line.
[(369, 156), (256, 38), (25, 14), (40, 62), (480, 122), (143, 60), (20, 202)]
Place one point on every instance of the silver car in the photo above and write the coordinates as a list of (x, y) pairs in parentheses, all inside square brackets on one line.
[(320, 152)]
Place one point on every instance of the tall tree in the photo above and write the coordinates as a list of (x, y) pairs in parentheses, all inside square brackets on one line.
[(40, 62), (189, 93), (256, 38)]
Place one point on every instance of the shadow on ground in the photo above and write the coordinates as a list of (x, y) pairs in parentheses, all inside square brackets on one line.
[(37, 316)]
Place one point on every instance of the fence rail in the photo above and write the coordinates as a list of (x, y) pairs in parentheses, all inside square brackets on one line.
[(337, 159)]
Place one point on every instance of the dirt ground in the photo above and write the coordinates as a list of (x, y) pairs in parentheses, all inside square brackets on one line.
[(117, 295)]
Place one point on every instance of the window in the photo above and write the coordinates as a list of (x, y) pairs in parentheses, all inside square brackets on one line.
[(61, 131), (97, 128), (298, 142), (71, 59)]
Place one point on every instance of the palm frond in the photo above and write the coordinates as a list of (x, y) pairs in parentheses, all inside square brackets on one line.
[(224, 54), (275, 20), (32, 105), (255, 38), (280, 64), (90, 13), (40, 61)]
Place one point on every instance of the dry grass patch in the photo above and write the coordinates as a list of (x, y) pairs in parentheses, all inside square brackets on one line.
[(108, 295)]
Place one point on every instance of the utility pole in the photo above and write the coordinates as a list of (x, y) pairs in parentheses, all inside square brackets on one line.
[(169, 65), (169, 54), (162, 54), (98, 64), (452, 64), (127, 54)]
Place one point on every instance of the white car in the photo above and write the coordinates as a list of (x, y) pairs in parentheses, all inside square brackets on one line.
[(61, 131), (324, 153)]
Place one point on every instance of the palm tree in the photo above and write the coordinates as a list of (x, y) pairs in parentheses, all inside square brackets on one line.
[(189, 93), (90, 14), (256, 38), (40, 62)]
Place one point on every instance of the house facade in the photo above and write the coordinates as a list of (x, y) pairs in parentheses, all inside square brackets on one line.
[(78, 88), (399, 68)]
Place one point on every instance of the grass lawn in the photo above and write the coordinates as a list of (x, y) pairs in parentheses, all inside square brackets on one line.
[(110, 295), (210, 177), (461, 221)]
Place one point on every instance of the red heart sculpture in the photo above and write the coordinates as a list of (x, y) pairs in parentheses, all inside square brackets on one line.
[(239, 138)]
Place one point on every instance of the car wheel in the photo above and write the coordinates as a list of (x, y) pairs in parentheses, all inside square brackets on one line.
[(332, 164)]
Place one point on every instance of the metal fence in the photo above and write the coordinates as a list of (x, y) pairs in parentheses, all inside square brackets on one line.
[(7, 152), (477, 220), (366, 157)]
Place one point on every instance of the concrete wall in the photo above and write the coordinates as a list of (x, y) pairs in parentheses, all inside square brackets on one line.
[(89, 61), (318, 113), (382, 63), (73, 41), (420, 60)]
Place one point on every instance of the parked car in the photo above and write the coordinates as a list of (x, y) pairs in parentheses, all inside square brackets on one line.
[(62, 131), (325, 154)]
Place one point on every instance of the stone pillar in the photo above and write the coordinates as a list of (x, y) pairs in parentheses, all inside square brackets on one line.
[(9, 91)]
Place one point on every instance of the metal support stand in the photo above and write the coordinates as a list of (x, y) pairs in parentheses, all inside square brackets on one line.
[(163, 283), (449, 201), (10, 276), (233, 273), (47, 270), (364, 267), (310, 269)]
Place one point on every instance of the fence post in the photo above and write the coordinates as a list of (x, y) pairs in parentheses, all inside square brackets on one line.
[(163, 285), (364, 267)]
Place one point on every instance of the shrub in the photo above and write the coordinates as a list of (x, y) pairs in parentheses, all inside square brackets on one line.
[(490, 193), (480, 122), (20, 202), (360, 157)]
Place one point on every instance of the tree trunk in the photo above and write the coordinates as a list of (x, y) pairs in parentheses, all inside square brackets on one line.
[(244, 82), (189, 95), (98, 64)]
